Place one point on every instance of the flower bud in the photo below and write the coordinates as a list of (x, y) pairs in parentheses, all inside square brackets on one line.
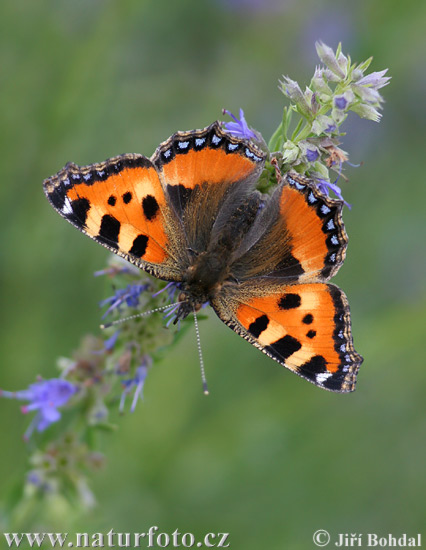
[(367, 111), (291, 89), (376, 80), (290, 152), (343, 62), (323, 125), (319, 82), (367, 95), (328, 57)]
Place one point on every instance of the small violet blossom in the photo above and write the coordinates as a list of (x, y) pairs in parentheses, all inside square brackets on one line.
[(111, 341), (171, 289), (137, 382), (312, 155), (129, 295), (239, 128), (325, 186), (340, 102), (44, 397)]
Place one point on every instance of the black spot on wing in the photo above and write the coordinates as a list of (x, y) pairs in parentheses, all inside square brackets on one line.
[(308, 318), (284, 347), (326, 271), (335, 381), (288, 268), (112, 200), (311, 333), (258, 326), (80, 208), (139, 246), (109, 231), (179, 196), (289, 301), (314, 366), (150, 207), (127, 197)]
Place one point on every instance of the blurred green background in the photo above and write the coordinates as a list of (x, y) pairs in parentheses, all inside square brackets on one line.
[(267, 457)]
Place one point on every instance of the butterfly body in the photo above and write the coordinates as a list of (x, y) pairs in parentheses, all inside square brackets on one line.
[(211, 269), (191, 214)]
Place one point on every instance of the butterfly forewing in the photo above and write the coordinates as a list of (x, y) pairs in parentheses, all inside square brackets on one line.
[(205, 174), (299, 237), (120, 203)]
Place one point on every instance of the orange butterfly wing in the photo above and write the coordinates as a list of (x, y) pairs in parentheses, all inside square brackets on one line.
[(206, 174), (119, 203), (305, 328), (299, 236)]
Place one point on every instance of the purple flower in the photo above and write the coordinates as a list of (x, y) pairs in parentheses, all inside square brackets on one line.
[(330, 128), (108, 345), (311, 155), (129, 295), (171, 313), (239, 128), (325, 186), (323, 125), (44, 397), (111, 341), (340, 102), (137, 382), (171, 289)]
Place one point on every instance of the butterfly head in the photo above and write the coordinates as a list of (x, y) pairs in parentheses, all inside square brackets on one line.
[(188, 304)]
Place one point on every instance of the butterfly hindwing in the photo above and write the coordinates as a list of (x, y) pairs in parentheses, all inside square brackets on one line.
[(304, 327), (120, 203)]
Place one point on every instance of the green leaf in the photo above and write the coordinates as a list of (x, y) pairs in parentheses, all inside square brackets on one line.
[(288, 117), (297, 130), (364, 66), (280, 135)]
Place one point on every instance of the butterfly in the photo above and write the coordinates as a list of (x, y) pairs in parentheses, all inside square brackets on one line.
[(191, 214)]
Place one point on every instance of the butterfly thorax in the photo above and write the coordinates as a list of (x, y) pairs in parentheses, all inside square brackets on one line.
[(211, 268)]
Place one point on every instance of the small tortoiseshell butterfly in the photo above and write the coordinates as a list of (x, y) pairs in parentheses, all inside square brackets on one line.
[(191, 214)]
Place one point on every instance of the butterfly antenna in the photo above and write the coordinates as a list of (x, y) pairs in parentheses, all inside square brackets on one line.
[(200, 355), (143, 314)]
